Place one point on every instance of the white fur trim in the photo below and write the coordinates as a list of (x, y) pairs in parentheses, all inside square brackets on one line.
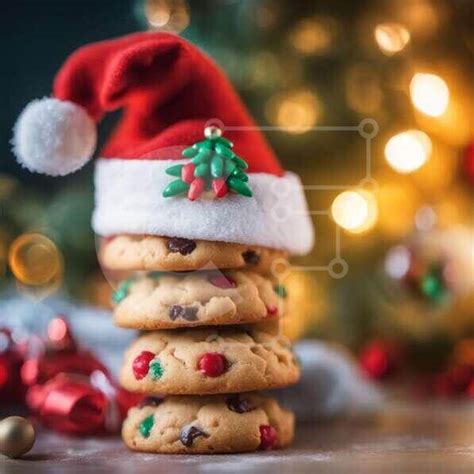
[(54, 137), (129, 200)]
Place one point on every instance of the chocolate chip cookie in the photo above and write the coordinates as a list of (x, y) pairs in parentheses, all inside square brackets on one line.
[(147, 252), (209, 361), (170, 300), (208, 424)]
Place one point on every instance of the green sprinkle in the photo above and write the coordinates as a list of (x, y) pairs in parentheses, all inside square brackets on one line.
[(203, 145), (175, 187), (122, 291), (190, 152), (146, 426), (240, 175), (239, 186), (201, 170), (240, 163), (174, 170), (224, 141), (229, 167), (280, 290), (156, 370), (224, 151), (217, 166)]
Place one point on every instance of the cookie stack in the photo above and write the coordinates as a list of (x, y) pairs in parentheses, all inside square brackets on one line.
[(212, 339), (196, 221)]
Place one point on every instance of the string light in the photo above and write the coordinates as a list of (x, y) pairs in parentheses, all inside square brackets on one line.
[(296, 112), (408, 151), (355, 211), (391, 37), (429, 94)]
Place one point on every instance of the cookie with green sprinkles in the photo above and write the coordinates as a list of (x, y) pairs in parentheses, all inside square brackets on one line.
[(209, 298), (209, 424)]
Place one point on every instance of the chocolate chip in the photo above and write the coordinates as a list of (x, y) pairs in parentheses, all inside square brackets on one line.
[(183, 246), (238, 405), (189, 313), (150, 402), (251, 257), (189, 433)]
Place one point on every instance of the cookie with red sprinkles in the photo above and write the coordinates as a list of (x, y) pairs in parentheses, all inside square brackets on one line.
[(209, 424)]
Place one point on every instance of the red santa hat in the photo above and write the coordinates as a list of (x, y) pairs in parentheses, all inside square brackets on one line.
[(169, 92)]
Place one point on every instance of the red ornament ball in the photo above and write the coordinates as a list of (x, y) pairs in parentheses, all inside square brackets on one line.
[(268, 437), (212, 364), (141, 364), (378, 359)]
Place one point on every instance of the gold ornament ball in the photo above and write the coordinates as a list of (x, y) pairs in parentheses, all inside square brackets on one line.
[(17, 436)]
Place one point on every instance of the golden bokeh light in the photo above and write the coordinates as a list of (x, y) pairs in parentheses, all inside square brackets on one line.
[(429, 94), (167, 15), (408, 151), (355, 211), (391, 38), (296, 111), (312, 35), (35, 260), (363, 89)]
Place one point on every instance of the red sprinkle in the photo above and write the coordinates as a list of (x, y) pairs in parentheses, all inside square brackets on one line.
[(196, 189), (187, 173), (272, 310), (219, 187), (141, 364), (212, 364), (268, 437), (222, 281)]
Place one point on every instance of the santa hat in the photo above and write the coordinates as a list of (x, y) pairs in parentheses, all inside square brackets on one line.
[(169, 92)]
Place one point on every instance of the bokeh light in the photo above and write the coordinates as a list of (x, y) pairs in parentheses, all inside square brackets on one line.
[(391, 38), (296, 111), (167, 15), (355, 211), (312, 35), (408, 151), (34, 259), (429, 94), (397, 262)]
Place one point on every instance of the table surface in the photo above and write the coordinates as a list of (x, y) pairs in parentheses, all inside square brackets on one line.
[(404, 438)]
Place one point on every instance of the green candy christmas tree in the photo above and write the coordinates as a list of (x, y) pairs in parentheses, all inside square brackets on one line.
[(213, 166)]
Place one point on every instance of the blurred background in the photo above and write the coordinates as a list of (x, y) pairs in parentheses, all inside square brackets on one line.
[(393, 201)]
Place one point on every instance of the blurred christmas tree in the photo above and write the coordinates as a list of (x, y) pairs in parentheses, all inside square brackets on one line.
[(315, 70)]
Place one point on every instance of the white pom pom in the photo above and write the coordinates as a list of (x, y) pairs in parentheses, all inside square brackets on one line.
[(54, 137)]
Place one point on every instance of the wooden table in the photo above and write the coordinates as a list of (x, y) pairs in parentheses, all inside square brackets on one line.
[(405, 438)]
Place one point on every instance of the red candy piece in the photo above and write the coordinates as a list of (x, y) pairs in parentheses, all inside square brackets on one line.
[(268, 437), (187, 173), (141, 364), (222, 281), (196, 189), (212, 364), (219, 187), (272, 310)]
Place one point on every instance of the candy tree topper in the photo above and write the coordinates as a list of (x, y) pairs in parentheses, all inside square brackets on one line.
[(213, 166)]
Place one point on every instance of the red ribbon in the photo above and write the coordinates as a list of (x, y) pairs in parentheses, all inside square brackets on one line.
[(75, 404)]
